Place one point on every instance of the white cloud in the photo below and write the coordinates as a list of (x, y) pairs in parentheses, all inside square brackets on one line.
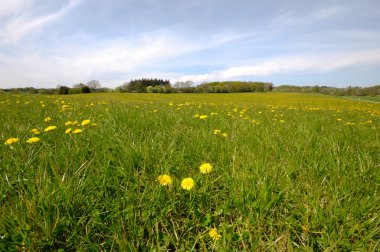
[(23, 24), (127, 57), (292, 65), (8, 8)]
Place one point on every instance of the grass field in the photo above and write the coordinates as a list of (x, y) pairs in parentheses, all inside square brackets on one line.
[(289, 172), (365, 98)]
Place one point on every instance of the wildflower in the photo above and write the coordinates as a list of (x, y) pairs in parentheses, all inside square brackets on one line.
[(214, 234), (50, 128), (68, 131), (225, 135), (85, 122), (213, 113), (282, 121), (203, 117), (196, 116), (205, 168), (33, 140), (338, 119), (11, 140), (187, 183), (165, 180), (171, 103), (35, 131), (217, 131), (76, 131), (68, 123), (47, 119), (350, 123)]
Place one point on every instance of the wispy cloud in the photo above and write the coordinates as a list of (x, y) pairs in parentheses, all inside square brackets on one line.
[(293, 65), (118, 56), (24, 24)]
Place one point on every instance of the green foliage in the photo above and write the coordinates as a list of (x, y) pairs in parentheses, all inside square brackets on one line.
[(235, 86), (148, 85), (349, 91), (294, 172)]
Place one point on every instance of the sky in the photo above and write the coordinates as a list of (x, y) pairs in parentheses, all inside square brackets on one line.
[(46, 43)]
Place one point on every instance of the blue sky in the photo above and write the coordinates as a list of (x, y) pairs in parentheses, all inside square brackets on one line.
[(46, 43)]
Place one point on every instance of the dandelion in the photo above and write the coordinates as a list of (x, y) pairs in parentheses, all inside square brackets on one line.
[(68, 131), (47, 119), (85, 122), (11, 140), (68, 123), (76, 131), (33, 140), (187, 183), (171, 103), (205, 168), (203, 117), (214, 234), (217, 131), (282, 121), (338, 119), (165, 180), (35, 131), (213, 113), (196, 116), (50, 128), (225, 135)]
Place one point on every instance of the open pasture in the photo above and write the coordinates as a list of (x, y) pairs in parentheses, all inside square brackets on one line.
[(288, 172)]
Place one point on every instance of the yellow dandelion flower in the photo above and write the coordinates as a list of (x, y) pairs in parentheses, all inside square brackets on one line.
[(85, 122), (35, 131), (203, 117), (196, 116), (165, 180), (338, 119), (171, 103), (214, 234), (75, 123), (217, 131), (11, 140), (282, 121), (350, 123), (187, 183), (76, 131), (213, 113), (68, 131), (33, 140), (47, 119), (205, 168), (68, 123), (50, 128), (225, 135)]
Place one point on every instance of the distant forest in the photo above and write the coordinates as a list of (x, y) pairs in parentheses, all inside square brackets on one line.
[(164, 86)]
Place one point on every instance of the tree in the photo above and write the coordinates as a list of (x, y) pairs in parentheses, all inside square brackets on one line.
[(63, 90), (183, 84), (94, 84)]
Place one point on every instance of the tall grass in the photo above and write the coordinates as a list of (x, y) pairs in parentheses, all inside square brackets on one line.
[(293, 172)]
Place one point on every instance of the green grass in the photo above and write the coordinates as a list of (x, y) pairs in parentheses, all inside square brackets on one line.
[(295, 172), (365, 98)]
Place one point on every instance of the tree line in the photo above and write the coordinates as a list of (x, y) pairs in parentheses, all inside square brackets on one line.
[(164, 86), (346, 91)]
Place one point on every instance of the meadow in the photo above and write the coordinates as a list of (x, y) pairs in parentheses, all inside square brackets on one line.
[(183, 172)]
